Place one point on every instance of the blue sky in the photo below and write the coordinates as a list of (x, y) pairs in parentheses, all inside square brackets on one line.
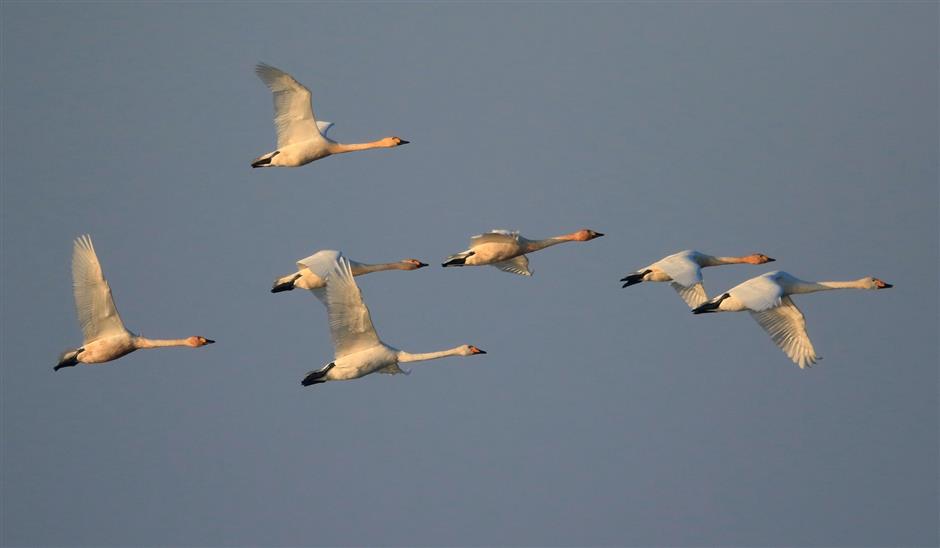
[(599, 416)]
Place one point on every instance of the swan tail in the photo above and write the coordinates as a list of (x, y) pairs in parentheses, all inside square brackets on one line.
[(458, 259), (69, 358), (316, 377), (284, 284), (265, 161), (635, 278)]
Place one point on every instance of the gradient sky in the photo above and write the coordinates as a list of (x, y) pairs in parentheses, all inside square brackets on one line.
[(600, 415)]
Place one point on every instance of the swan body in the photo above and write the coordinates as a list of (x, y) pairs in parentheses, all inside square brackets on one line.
[(104, 335), (301, 138), (684, 271), (306, 277), (767, 298), (358, 350), (506, 250)]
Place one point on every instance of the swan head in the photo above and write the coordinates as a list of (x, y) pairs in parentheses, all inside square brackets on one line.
[(196, 342), (413, 264), (758, 258), (470, 350), (585, 234), (392, 142), (878, 284)]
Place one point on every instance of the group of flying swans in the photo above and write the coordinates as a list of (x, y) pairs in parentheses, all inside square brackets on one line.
[(306, 277), (767, 298), (103, 333), (301, 139), (506, 250), (358, 350), (684, 270)]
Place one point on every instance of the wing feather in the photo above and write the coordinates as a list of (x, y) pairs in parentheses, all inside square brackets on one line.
[(758, 294), (293, 111), (787, 328), (350, 322), (93, 301), (517, 265), (693, 296)]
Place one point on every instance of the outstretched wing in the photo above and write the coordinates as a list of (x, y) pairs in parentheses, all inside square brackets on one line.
[(758, 294), (350, 323), (93, 301), (394, 369), (320, 263), (517, 265), (693, 295), (293, 113), (787, 327), (497, 236), (681, 269)]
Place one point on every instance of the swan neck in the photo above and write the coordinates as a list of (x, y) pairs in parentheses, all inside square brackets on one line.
[(361, 268), (144, 342), (339, 148), (405, 357), (547, 242), (854, 284)]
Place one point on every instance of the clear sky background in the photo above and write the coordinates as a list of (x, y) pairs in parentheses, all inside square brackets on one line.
[(600, 415)]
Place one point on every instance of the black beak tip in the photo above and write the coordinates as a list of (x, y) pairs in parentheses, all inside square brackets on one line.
[(481, 351), (422, 265), (210, 341), (887, 285), (771, 260), (403, 142)]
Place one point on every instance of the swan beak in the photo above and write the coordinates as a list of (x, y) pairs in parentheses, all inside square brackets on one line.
[(422, 265), (402, 142), (883, 285), (475, 350), (770, 259), (210, 341)]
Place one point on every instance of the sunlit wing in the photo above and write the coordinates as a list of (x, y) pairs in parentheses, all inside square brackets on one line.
[(787, 328), (681, 269), (93, 301), (495, 236), (293, 112), (693, 296), (320, 263), (758, 294), (517, 265), (350, 323)]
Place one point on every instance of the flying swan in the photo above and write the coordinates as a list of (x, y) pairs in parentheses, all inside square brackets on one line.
[(506, 249), (302, 139), (684, 270), (306, 277), (358, 349), (767, 298), (104, 335)]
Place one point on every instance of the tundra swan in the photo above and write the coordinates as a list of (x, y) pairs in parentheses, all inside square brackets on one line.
[(684, 270), (506, 249), (357, 346), (306, 277), (104, 335), (767, 298), (302, 139)]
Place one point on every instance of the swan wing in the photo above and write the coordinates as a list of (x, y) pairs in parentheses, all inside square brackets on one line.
[(758, 294), (692, 295), (787, 327), (320, 263), (495, 236), (681, 269), (293, 112), (394, 370), (324, 127), (517, 265), (93, 301), (350, 323)]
